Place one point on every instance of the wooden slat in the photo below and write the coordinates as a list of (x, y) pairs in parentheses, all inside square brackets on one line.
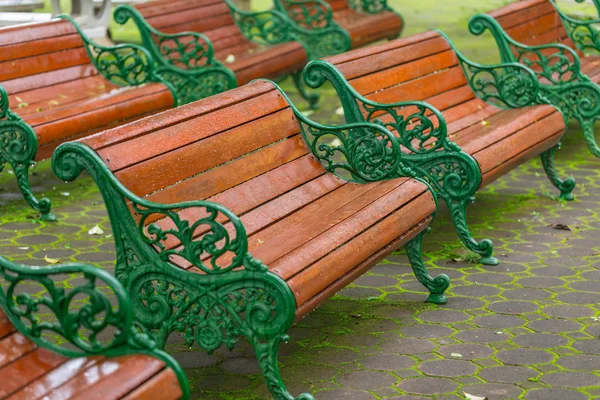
[(162, 386), (27, 368), (37, 388), (13, 347)]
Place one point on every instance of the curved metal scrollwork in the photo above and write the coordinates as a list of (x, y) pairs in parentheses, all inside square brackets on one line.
[(18, 147), (81, 315), (309, 14), (185, 50), (234, 295), (265, 27), (507, 86), (198, 84), (124, 64), (583, 32)]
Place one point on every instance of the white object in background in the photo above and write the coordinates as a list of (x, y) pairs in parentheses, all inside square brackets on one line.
[(94, 20)]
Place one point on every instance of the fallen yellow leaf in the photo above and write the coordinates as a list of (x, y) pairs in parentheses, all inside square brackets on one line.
[(51, 260)]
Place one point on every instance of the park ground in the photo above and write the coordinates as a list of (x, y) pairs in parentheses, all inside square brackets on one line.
[(527, 328)]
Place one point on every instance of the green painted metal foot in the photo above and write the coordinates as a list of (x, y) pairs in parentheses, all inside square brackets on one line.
[(488, 260), (48, 217), (436, 298), (567, 196)]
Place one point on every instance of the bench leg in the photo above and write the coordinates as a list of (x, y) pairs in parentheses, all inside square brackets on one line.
[(312, 98), (266, 353), (18, 145), (590, 138), (485, 248), (436, 286), (43, 205), (565, 186), (217, 310)]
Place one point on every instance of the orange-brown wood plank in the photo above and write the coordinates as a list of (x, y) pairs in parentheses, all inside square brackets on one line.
[(30, 366), (163, 386), (363, 235), (13, 347), (58, 376)]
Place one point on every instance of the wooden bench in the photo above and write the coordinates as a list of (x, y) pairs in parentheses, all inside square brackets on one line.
[(341, 25), (427, 68), (215, 37), (100, 355), (57, 85), (198, 195), (531, 32)]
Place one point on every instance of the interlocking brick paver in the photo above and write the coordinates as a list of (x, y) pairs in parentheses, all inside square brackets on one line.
[(526, 328)]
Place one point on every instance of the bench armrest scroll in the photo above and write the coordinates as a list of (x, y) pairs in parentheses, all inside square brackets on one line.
[(555, 63), (184, 50), (264, 27), (308, 14), (584, 32), (123, 64)]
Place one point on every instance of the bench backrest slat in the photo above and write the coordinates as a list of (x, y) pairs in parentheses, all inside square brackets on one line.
[(532, 22), (211, 147), (421, 67), (41, 54)]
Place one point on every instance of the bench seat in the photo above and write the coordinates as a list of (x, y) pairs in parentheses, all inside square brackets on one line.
[(30, 372), (215, 21), (539, 35), (425, 67), (51, 83), (200, 194)]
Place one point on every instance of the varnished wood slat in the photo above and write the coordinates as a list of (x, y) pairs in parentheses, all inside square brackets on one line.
[(48, 79), (125, 105), (134, 371), (163, 386), (58, 376), (55, 28), (43, 46), (404, 72), (118, 373), (395, 57), (204, 154), (6, 327), (360, 244), (13, 347), (43, 63), (31, 366), (360, 269)]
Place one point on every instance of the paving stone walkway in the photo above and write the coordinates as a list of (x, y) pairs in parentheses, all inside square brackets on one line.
[(527, 328)]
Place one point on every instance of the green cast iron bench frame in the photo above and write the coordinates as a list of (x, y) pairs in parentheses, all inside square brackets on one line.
[(314, 23), (557, 65), (93, 318), (365, 153), (507, 85), (194, 51)]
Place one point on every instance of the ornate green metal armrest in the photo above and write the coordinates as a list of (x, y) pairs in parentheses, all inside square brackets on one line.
[(185, 50), (506, 85), (370, 6), (217, 307), (307, 14), (264, 27), (562, 66), (84, 317), (124, 64), (421, 135), (584, 33)]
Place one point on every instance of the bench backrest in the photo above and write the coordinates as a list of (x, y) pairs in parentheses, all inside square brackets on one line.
[(240, 148), (421, 67), (212, 18), (39, 55), (533, 22)]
